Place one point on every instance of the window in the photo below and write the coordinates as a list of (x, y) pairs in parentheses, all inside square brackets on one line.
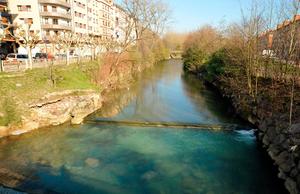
[(29, 21), (24, 7), (45, 8), (28, 7), (46, 20), (55, 21), (54, 8), (47, 32)]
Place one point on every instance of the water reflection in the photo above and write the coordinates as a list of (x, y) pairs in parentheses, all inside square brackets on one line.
[(165, 94)]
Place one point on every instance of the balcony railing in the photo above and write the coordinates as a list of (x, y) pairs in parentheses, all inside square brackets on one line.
[(56, 14), (56, 27), (56, 2)]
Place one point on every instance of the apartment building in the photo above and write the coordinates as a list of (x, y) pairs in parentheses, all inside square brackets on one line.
[(46, 17), (101, 18), (120, 22), (277, 41), (26, 12), (80, 16)]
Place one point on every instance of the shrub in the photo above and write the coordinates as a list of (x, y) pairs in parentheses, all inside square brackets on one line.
[(215, 65), (193, 58)]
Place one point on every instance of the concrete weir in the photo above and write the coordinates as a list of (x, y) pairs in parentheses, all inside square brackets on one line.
[(213, 127)]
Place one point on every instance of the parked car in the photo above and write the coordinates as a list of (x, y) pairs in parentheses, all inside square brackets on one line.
[(14, 57), (60, 56), (40, 56), (73, 55)]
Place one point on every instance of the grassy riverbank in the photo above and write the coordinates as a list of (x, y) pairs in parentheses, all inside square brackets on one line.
[(19, 89)]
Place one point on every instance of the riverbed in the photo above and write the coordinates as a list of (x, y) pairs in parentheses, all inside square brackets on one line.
[(102, 158)]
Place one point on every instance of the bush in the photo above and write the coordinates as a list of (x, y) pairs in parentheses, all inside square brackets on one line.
[(215, 66), (193, 58)]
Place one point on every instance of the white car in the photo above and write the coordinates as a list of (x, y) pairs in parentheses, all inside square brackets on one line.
[(14, 57)]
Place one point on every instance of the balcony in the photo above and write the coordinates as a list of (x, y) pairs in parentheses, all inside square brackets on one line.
[(56, 2), (56, 27), (56, 14)]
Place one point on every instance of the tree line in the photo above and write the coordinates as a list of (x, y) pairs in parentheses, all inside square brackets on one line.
[(255, 51)]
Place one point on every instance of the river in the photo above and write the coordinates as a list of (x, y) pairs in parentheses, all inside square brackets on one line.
[(115, 158)]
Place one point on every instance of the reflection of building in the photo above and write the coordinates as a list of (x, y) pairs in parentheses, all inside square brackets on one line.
[(278, 40)]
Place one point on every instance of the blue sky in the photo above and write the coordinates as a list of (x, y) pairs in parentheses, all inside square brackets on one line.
[(191, 14)]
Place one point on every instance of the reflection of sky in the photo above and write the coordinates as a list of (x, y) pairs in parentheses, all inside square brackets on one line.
[(165, 96)]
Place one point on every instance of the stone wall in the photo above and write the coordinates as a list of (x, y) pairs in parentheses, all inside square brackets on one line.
[(281, 141)]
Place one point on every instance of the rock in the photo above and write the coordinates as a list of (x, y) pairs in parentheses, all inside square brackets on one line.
[(298, 179), (281, 175), (92, 162), (284, 161), (58, 108), (149, 175), (294, 172), (295, 129), (279, 139), (266, 140), (275, 149), (77, 120), (291, 186), (294, 132), (3, 131)]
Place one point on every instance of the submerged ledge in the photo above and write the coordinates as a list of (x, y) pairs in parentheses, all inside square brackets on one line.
[(213, 127)]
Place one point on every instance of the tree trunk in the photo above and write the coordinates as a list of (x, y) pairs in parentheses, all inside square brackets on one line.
[(29, 58), (68, 57), (1, 66), (292, 100)]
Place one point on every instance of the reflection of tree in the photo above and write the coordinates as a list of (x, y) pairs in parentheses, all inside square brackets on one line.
[(205, 98), (140, 94)]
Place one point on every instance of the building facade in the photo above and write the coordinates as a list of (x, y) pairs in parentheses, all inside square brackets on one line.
[(49, 17), (278, 41), (46, 17)]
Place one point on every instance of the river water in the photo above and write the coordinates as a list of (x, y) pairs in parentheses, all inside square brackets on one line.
[(98, 158)]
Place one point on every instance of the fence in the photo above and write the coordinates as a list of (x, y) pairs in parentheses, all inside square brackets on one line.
[(40, 63)]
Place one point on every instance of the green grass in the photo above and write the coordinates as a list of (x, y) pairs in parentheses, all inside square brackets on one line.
[(20, 89)]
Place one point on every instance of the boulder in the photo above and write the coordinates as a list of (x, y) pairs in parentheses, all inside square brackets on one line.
[(284, 161), (291, 186), (294, 132)]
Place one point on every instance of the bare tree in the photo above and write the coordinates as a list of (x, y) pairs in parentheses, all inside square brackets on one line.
[(27, 39), (144, 20), (93, 42), (65, 41)]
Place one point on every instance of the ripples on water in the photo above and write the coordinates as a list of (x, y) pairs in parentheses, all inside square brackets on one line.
[(119, 159)]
